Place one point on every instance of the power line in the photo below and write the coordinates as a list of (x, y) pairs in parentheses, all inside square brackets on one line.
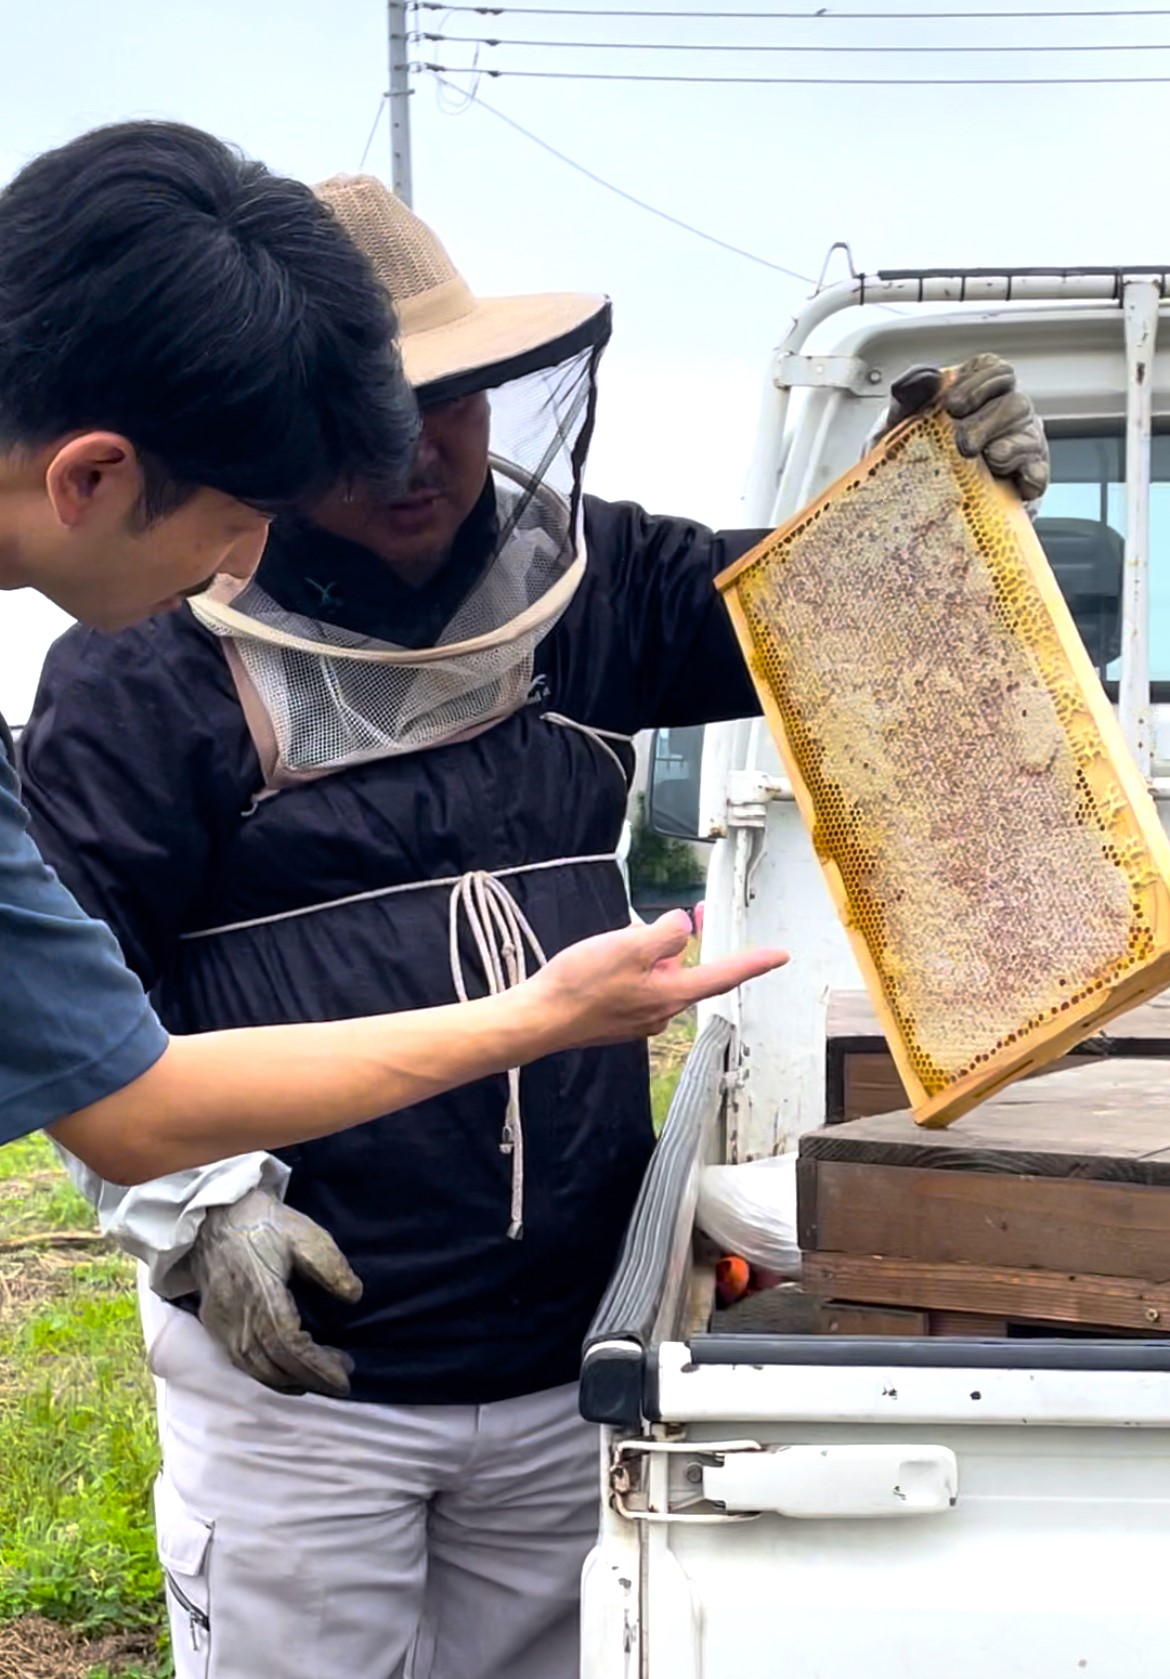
[(382, 98), (823, 15), (442, 70), (630, 198), (743, 46)]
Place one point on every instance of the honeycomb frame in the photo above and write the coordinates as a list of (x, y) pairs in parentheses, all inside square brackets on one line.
[(1106, 870)]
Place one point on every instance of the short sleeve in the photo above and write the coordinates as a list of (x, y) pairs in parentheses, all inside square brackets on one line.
[(76, 1024)]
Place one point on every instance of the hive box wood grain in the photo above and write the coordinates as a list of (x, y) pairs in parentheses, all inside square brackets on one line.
[(985, 834), (1052, 1204)]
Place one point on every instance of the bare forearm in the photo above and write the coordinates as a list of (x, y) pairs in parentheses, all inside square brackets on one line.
[(229, 1093), (226, 1093)]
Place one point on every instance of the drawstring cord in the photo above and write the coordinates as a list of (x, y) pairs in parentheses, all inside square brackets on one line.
[(501, 932)]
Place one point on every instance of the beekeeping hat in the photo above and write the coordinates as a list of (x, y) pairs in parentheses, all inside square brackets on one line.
[(452, 340), (335, 698)]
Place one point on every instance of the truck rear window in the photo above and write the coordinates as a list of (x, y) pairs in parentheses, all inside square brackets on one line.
[(1082, 527)]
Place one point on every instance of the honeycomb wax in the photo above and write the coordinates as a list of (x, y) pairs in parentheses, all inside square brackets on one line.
[(988, 841)]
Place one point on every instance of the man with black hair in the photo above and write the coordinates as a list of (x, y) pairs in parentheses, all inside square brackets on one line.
[(189, 344)]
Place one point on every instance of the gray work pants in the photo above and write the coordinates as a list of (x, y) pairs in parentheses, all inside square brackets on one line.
[(307, 1538)]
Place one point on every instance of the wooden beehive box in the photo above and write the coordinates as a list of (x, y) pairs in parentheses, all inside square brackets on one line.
[(1050, 1206), (985, 834)]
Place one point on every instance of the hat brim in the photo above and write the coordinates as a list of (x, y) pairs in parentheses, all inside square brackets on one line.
[(501, 336)]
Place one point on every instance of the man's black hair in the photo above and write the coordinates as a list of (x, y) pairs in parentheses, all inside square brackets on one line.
[(157, 284)]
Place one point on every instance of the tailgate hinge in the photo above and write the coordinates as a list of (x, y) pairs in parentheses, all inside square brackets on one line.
[(627, 1483), (741, 1480)]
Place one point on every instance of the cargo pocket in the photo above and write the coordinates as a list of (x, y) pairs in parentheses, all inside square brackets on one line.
[(184, 1550)]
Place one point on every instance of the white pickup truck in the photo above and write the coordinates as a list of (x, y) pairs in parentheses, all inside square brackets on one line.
[(799, 1506)]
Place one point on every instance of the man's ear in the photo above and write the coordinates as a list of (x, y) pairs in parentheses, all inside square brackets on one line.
[(96, 473)]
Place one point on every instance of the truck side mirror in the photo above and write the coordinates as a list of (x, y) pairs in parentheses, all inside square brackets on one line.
[(672, 801)]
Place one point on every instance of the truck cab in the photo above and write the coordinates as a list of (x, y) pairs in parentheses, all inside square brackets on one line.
[(778, 1499)]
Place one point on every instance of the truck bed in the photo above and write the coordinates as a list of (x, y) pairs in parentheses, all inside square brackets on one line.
[(785, 1503)]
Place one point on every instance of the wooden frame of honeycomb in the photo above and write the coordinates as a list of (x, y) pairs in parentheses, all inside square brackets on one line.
[(986, 836)]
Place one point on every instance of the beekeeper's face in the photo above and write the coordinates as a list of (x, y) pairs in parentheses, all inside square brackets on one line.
[(415, 532)]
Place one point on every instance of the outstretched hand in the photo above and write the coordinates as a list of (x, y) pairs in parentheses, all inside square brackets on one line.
[(631, 984)]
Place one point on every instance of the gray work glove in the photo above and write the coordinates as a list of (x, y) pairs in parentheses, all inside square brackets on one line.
[(243, 1260), (991, 418)]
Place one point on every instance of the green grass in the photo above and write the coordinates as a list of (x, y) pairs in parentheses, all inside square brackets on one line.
[(27, 1156), (35, 1193), (667, 1055), (105, 1671), (668, 1052), (77, 1437)]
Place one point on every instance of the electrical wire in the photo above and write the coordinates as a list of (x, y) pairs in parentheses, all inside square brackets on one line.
[(800, 81), (823, 14), (451, 105), (803, 46), (653, 210), (382, 102), (630, 198)]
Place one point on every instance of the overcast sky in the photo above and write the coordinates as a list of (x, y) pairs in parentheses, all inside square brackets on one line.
[(910, 176)]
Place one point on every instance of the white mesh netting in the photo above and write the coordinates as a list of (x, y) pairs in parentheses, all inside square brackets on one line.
[(335, 698)]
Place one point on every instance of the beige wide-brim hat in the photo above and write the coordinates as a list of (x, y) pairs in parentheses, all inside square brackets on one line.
[(445, 331)]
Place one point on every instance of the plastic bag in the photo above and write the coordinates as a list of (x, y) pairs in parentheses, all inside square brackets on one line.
[(750, 1210)]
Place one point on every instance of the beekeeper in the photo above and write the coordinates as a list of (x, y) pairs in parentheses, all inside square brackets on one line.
[(393, 770)]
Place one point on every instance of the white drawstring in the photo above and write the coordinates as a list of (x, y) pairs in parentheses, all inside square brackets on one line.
[(500, 931), (599, 737), (381, 892)]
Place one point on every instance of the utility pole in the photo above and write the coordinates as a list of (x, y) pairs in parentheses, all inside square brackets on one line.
[(399, 97)]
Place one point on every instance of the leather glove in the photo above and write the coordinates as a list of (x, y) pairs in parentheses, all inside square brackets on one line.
[(991, 418), (243, 1260)]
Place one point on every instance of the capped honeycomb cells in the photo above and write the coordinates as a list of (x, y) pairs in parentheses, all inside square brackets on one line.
[(961, 793)]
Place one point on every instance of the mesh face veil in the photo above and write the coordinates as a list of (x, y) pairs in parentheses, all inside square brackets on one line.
[(335, 698)]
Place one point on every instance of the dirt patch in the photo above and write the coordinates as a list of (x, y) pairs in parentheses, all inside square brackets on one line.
[(31, 1277), (36, 1649), (15, 1189)]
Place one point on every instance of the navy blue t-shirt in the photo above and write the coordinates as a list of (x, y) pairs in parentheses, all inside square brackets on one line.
[(75, 1024)]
